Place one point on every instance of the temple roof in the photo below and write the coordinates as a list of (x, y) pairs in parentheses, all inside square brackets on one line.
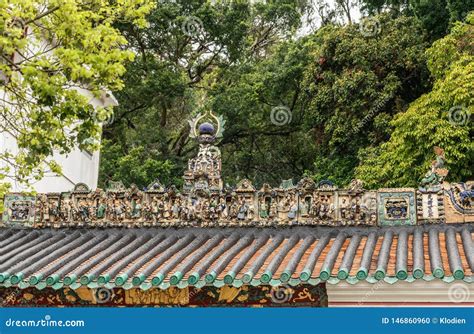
[(146, 257)]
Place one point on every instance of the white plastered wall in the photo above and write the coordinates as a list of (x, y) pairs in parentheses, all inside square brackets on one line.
[(418, 293)]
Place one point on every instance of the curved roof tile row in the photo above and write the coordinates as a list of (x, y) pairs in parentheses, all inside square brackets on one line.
[(163, 257)]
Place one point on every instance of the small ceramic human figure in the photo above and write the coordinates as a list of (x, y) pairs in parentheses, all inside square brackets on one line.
[(303, 208), (66, 210), (46, 211), (175, 209), (166, 210), (223, 210), (250, 211), (263, 208), (213, 208), (243, 209), (137, 209), (101, 209), (293, 209)]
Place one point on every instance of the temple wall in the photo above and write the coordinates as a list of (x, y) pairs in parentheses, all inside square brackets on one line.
[(246, 296)]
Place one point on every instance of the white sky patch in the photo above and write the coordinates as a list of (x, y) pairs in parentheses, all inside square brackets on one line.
[(311, 21)]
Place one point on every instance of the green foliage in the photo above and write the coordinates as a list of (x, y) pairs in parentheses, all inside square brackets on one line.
[(441, 117), (357, 84), (176, 66), (50, 50), (135, 167), (436, 16), (4, 187), (350, 96)]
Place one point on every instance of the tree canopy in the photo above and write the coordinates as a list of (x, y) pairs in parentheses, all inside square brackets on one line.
[(50, 50), (441, 117)]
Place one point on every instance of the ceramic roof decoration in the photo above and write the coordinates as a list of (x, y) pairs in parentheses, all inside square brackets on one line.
[(206, 234)]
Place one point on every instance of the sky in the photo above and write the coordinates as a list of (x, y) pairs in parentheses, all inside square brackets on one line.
[(311, 23)]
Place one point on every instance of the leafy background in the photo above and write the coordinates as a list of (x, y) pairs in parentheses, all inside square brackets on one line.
[(366, 106)]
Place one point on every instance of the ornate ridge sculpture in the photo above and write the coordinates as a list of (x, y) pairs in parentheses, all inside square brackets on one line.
[(204, 201)]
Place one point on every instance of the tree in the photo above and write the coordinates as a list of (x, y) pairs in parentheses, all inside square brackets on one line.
[(436, 16), (184, 51), (441, 117), (50, 50), (357, 81)]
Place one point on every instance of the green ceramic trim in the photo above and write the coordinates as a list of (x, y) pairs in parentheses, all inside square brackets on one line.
[(238, 283), (248, 276), (86, 279), (157, 280), (4, 276), (58, 286), (458, 274), (219, 284), (325, 274), (305, 275), (266, 277), (229, 278), (390, 279), (418, 273), (15, 279), (448, 279), (23, 285), (402, 274), (121, 279), (92, 285), (343, 274), (34, 279), (352, 280), (275, 282), (137, 280), (176, 278), (285, 276), (193, 278), (52, 279), (362, 274), (333, 280), (438, 273), (379, 274), (41, 285), (103, 279), (210, 278)]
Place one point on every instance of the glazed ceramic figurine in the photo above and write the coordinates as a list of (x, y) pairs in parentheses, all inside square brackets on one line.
[(243, 209), (102, 208), (137, 209), (263, 208), (436, 175), (293, 209)]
